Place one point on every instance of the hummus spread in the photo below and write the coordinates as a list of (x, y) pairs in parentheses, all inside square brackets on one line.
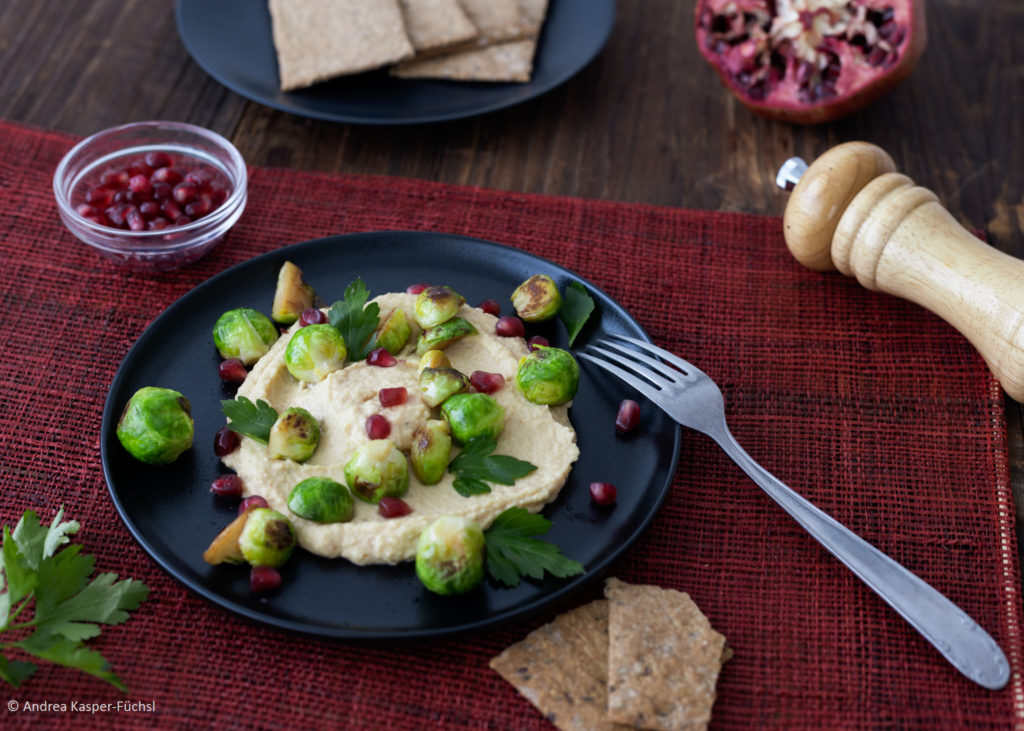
[(342, 402)]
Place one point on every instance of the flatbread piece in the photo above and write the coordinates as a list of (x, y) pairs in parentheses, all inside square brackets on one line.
[(437, 24)]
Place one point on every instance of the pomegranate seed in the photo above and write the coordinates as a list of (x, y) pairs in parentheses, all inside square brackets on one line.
[(182, 221), (140, 185), (603, 493), (162, 191), (628, 417), (184, 193), (115, 214), (253, 501), (485, 382), (98, 219), (166, 175), (510, 326), (218, 195), (537, 341), (149, 209), (139, 167), (264, 579), (227, 486), (115, 178), (416, 288), (491, 307), (312, 316), (382, 358), (232, 370), (158, 224), (225, 442), (392, 396), (100, 196), (134, 219), (377, 426), (199, 177), (86, 210), (198, 208), (170, 209), (393, 507), (159, 160)]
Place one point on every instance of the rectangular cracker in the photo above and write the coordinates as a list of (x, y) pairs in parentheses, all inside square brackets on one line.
[(433, 25), (497, 20), (561, 668), (663, 658), (318, 40)]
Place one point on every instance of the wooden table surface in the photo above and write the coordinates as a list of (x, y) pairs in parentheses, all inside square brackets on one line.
[(647, 121)]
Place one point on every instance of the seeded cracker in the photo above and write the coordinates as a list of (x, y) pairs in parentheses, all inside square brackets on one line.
[(433, 25), (321, 39), (561, 668), (663, 658)]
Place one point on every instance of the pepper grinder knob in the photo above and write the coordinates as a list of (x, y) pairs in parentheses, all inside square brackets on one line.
[(851, 211)]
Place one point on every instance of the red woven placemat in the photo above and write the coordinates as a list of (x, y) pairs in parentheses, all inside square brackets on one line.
[(874, 409)]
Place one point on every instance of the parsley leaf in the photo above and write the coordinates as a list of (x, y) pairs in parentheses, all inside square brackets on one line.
[(576, 308), (475, 466), (67, 606), (514, 552), (355, 322), (254, 420)]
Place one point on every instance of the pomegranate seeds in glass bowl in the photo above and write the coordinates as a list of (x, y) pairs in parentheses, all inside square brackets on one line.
[(153, 196)]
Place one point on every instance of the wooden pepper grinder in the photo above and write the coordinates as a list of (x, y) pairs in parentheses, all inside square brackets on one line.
[(850, 210)]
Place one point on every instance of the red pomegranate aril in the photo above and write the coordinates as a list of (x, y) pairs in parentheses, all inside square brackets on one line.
[(198, 208), (199, 177), (393, 507), (134, 219), (377, 426), (251, 502), (416, 288), (312, 316), (158, 224), (100, 196), (86, 210), (484, 382), (184, 193), (232, 370), (139, 167), (218, 195), (98, 219), (140, 185), (393, 396), (162, 191), (149, 209), (382, 358), (510, 326), (170, 176), (628, 417), (116, 213), (537, 341), (227, 486), (115, 178), (170, 209), (225, 442), (158, 160), (182, 221), (491, 307), (264, 579), (603, 493)]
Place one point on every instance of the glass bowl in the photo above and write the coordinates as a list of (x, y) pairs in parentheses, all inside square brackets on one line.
[(117, 194)]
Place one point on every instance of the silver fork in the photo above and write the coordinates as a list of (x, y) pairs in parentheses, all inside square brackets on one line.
[(690, 397)]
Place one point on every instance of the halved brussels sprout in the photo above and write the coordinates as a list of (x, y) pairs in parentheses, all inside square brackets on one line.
[(434, 359), (537, 298), (441, 336), (291, 296), (450, 555), (321, 500), (267, 539), (156, 425), (437, 384), (435, 305), (377, 469), (471, 415), (295, 435), (243, 333), (394, 332), (548, 376), (315, 352), (431, 448)]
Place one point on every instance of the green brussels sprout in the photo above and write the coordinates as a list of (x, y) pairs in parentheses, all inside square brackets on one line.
[(156, 425), (314, 352), (431, 448), (321, 500), (434, 359), (243, 333), (295, 435), (377, 469), (267, 539), (441, 336), (471, 415), (450, 555), (437, 384), (394, 332), (291, 296), (435, 305), (537, 298), (548, 376)]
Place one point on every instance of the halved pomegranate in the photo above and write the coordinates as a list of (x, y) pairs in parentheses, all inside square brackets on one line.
[(810, 61)]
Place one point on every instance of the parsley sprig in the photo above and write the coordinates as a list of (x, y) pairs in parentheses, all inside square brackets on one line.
[(576, 308), (355, 320), (475, 466), (250, 419), (66, 606), (513, 551)]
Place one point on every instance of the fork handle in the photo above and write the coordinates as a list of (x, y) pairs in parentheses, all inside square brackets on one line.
[(955, 635)]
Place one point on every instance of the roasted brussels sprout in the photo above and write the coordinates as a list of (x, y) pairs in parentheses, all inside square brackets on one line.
[(441, 336), (292, 295), (243, 333), (267, 539), (434, 359), (295, 435), (548, 376), (471, 415), (431, 448), (437, 384), (377, 469), (156, 425), (537, 298), (314, 352), (435, 305), (321, 500), (393, 333), (450, 555)]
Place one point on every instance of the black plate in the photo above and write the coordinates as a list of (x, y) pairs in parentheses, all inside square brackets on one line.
[(172, 514), (232, 41)]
